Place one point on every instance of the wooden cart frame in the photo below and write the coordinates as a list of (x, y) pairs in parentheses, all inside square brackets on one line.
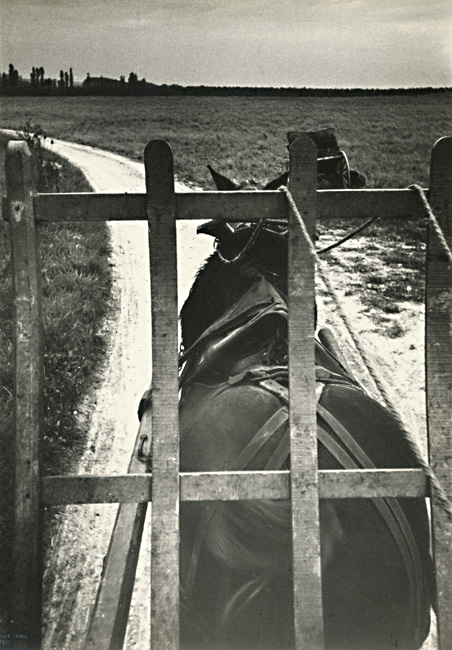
[(303, 484)]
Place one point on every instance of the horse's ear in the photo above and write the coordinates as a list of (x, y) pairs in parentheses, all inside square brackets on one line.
[(277, 182), (222, 183)]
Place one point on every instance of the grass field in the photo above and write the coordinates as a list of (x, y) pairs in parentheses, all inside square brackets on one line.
[(387, 138)]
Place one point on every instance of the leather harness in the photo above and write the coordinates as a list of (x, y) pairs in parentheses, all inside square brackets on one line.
[(349, 454), (209, 352)]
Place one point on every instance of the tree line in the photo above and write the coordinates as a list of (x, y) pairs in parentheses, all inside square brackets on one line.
[(38, 84), (13, 82)]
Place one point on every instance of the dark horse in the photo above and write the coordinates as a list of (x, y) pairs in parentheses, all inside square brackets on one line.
[(236, 572)]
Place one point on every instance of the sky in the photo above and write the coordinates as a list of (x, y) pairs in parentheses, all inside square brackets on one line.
[(314, 43)]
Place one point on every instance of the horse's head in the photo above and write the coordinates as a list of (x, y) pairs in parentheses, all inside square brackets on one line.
[(255, 249), (244, 253)]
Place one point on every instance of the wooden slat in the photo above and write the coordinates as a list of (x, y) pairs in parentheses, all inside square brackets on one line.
[(130, 207), (90, 206), (233, 486), (438, 346), (387, 203), (227, 206), (165, 391), (308, 616), (110, 614), (28, 382)]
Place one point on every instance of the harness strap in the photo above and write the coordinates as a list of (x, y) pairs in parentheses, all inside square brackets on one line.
[(265, 433), (389, 508)]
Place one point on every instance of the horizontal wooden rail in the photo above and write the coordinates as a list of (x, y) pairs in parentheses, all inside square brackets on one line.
[(233, 486), (227, 206)]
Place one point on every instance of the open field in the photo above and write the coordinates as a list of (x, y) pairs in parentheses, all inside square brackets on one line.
[(387, 138)]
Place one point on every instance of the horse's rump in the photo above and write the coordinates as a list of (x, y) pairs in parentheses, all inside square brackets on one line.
[(236, 562)]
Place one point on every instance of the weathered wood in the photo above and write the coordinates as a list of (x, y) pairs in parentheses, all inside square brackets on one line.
[(90, 206), (384, 203), (110, 614), (28, 411), (228, 206), (308, 617), (161, 210), (233, 486), (438, 347)]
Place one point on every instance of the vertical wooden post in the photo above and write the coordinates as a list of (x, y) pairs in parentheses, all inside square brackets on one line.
[(165, 391), (28, 411), (438, 347), (303, 423)]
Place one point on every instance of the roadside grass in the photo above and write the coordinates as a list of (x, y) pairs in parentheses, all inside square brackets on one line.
[(76, 283), (389, 139)]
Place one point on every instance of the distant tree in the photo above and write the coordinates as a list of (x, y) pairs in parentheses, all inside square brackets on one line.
[(133, 78), (87, 81), (33, 75), (71, 78), (41, 75), (122, 79), (66, 80), (61, 81), (13, 75), (4, 79)]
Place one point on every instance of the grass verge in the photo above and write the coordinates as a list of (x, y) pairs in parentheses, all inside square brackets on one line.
[(76, 282)]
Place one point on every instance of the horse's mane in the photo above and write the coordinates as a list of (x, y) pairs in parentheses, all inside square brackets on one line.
[(216, 287)]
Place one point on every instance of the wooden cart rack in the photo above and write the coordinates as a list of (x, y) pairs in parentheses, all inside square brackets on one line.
[(304, 484)]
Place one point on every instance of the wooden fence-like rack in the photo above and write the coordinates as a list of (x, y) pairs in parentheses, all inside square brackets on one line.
[(303, 484)]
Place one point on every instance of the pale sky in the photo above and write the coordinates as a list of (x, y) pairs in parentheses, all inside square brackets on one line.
[(316, 43)]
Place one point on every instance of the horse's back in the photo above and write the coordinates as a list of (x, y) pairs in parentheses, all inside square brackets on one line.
[(373, 597)]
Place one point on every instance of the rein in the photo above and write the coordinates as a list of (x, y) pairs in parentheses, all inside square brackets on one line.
[(263, 222), (351, 234)]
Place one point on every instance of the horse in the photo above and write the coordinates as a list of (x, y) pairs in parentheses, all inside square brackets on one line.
[(236, 562)]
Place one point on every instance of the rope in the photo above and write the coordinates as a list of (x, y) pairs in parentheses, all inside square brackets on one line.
[(364, 356), (433, 220), (433, 482)]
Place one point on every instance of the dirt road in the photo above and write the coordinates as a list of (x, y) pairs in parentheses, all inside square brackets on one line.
[(75, 563)]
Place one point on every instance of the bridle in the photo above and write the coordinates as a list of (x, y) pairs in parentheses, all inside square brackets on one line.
[(280, 227)]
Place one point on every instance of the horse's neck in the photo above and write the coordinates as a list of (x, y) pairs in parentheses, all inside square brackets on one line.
[(216, 288)]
